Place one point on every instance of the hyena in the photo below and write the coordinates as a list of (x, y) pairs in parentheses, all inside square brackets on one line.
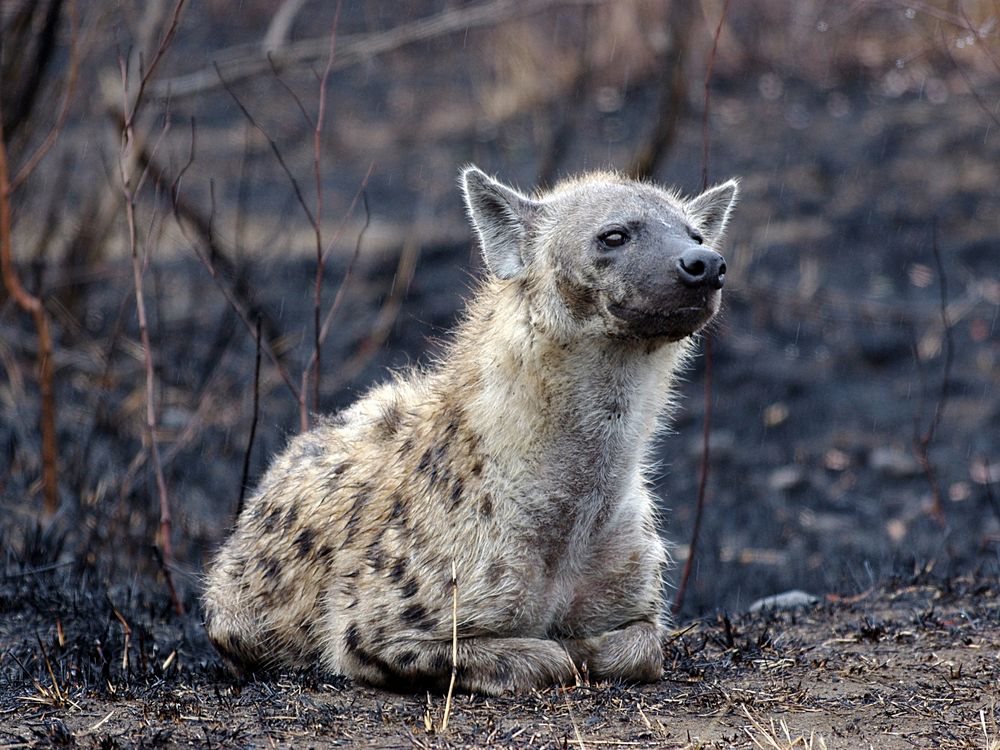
[(518, 460)]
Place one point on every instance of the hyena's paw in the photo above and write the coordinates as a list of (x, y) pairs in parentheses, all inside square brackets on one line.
[(633, 653), (492, 666)]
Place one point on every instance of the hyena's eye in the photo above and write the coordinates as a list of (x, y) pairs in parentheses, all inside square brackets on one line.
[(695, 235), (613, 238)]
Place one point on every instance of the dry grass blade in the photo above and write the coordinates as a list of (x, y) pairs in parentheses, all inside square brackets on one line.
[(454, 647), (989, 743), (770, 738)]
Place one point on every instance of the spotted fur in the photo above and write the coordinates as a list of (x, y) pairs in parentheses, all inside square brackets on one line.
[(519, 458)]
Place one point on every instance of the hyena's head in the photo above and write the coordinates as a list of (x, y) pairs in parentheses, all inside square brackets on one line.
[(606, 255)]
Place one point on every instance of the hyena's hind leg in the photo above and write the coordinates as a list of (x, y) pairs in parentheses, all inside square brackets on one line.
[(488, 665)]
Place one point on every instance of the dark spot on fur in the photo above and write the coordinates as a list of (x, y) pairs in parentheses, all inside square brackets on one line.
[(417, 616), (477, 468), (354, 519), (304, 541), (503, 670), (456, 493), (270, 567), (271, 520), (342, 467), (603, 261), (353, 574), (375, 556), (325, 552), (389, 420), (579, 298), (486, 505), (441, 662), (398, 507), (291, 517), (398, 570), (495, 572), (410, 589), (352, 637), (406, 658), (425, 461)]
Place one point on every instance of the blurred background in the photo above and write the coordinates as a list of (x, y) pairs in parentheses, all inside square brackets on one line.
[(290, 168)]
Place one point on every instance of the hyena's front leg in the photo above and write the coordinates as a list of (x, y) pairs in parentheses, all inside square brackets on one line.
[(633, 653), (485, 664)]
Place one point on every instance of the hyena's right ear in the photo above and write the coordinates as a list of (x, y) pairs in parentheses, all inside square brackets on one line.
[(501, 216)]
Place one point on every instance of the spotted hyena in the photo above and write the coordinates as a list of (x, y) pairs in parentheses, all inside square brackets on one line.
[(518, 460)]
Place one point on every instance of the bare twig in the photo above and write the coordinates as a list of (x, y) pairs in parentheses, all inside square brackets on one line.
[(922, 440), (33, 306), (130, 111), (672, 98), (274, 148), (57, 127), (386, 317), (253, 425), (317, 227), (707, 427), (219, 264), (130, 186), (247, 62), (342, 289)]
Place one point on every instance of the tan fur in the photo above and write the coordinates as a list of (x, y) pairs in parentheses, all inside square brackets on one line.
[(519, 457)]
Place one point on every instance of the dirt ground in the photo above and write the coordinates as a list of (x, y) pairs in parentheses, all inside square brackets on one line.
[(863, 297), (916, 664)]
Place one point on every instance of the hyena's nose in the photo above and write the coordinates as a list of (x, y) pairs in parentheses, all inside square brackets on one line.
[(700, 267)]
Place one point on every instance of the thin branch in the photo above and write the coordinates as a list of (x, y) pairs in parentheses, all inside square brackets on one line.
[(386, 317), (161, 49), (253, 425), (672, 99), (238, 297), (707, 96), (707, 426), (128, 186), (274, 147), (318, 228), (922, 441), (57, 127), (342, 289), (32, 305), (247, 62)]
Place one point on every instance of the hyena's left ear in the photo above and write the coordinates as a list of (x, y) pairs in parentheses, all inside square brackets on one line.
[(501, 216), (711, 210)]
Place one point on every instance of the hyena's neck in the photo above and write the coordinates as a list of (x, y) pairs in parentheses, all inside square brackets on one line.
[(583, 411)]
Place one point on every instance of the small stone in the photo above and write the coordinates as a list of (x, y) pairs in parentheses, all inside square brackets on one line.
[(794, 599), (893, 462), (786, 478)]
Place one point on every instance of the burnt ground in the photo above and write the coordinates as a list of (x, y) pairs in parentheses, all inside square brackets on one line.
[(913, 664), (830, 357)]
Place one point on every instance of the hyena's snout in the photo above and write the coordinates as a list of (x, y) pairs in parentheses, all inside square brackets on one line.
[(700, 267)]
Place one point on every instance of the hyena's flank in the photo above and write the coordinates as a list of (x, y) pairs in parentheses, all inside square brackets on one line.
[(519, 458)]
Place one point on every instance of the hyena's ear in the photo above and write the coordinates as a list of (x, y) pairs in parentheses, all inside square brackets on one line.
[(501, 216), (711, 210)]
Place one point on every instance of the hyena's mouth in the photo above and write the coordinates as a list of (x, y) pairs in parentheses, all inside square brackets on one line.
[(672, 323)]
